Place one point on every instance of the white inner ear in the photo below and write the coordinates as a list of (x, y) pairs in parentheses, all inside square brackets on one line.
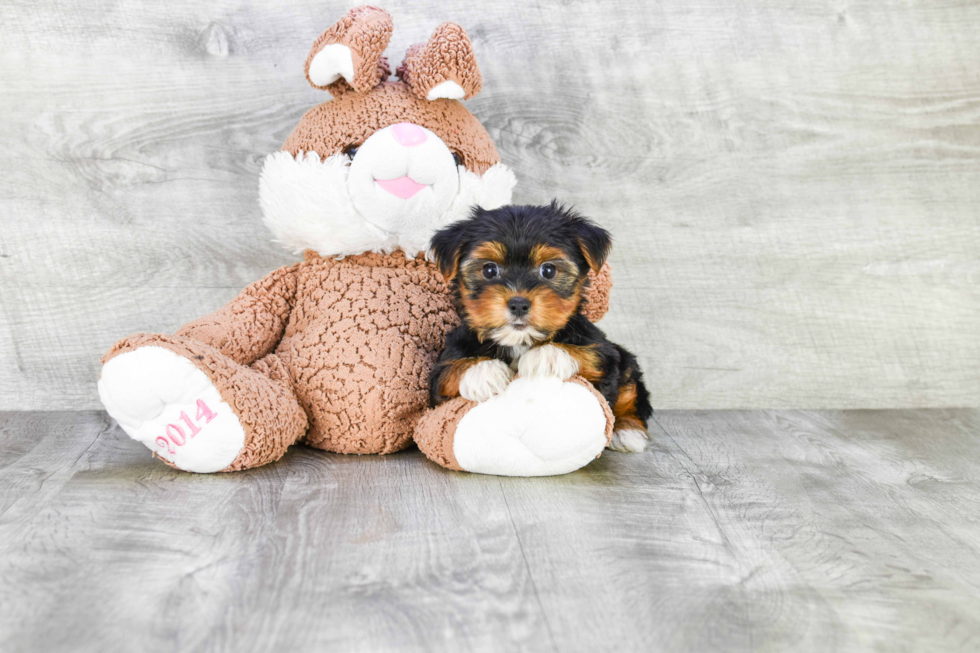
[(447, 89), (331, 63)]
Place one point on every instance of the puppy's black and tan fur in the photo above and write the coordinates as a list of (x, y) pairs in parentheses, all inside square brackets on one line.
[(517, 275)]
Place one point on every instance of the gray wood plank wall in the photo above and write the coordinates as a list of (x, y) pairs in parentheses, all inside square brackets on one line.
[(795, 185)]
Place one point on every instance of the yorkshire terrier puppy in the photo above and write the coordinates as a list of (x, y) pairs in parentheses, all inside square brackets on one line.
[(517, 274)]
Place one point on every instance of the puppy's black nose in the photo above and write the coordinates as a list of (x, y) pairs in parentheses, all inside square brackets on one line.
[(519, 306)]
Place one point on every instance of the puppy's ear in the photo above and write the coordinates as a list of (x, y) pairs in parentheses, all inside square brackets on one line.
[(594, 241), (446, 248)]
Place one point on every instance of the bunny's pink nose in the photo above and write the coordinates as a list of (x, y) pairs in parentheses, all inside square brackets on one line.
[(408, 134)]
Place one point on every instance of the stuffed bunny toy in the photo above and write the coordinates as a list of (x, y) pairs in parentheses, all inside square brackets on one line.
[(336, 351)]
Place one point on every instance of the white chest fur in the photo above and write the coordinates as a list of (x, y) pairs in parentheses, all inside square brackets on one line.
[(515, 355)]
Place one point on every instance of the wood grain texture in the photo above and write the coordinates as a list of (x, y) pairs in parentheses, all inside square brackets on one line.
[(736, 531), (793, 185)]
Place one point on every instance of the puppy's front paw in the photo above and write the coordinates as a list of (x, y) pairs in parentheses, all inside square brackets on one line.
[(484, 380), (547, 360)]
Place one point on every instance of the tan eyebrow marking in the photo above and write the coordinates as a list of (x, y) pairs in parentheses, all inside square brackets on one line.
[(492, 251), (542, 253)]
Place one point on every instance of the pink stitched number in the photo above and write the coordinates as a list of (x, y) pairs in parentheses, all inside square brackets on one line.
[(176, 435), (195, 429), (204, 411)]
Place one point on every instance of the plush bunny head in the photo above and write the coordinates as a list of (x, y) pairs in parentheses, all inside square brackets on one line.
[(385, 163)]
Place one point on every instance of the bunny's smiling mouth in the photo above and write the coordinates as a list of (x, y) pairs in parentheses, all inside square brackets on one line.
[(402, 187)]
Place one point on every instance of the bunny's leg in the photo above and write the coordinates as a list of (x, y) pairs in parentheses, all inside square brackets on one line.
[(211, 397), (197, 409)]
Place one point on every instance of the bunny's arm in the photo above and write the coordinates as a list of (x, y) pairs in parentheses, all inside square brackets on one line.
[(251, 325), (597, 294)]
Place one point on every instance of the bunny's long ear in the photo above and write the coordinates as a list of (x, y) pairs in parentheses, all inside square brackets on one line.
[(348, 54), (445, 67)]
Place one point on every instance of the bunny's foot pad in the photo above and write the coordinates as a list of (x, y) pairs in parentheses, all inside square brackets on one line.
[(164, 401), (537, 427)]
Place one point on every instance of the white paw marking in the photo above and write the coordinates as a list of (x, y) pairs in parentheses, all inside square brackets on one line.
[(484, 380), (164, 401), (629, 441), (447, 89), (331, 63), (547, 361)]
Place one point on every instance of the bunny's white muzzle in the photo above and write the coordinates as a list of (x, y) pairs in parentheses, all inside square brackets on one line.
[(402, 176)]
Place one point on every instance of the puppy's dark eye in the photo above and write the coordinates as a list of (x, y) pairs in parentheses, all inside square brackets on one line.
[(458, 159), (548, 271), (351, 151), (490, 270)]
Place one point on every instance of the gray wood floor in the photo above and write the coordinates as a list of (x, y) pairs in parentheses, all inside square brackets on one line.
[(737, 531)]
